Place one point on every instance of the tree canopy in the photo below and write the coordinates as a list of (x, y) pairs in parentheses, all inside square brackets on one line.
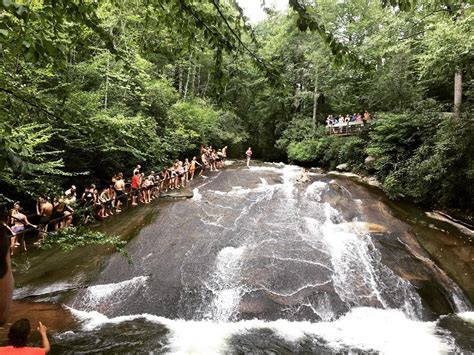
[(89, 88)]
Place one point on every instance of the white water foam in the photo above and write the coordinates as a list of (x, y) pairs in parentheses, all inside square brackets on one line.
[(196, 195), (314, 190), (360, 278), (96, 295), (467, 316), (225, 284), (387, 331)]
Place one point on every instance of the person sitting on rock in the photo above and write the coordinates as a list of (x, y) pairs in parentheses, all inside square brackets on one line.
[(304, 176)]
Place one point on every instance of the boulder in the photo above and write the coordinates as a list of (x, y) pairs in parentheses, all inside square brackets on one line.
[(369, 161), (342, 167)]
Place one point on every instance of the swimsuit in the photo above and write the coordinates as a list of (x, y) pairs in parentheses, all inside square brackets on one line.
[(17, 229)]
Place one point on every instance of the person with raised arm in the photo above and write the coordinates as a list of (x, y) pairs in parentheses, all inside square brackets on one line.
[(18, 339)]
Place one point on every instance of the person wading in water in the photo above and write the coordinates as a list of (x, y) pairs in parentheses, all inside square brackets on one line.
[(248, 153)]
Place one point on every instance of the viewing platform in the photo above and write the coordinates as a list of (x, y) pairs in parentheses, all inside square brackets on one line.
[(344, 128)]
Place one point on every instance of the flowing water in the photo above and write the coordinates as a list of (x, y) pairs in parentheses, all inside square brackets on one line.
[(258, 263)]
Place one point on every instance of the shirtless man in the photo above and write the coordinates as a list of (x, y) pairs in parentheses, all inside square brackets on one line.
[(248, 153), (44, 209), (119, 187), (6, 276), (18, 221), (224, 155), (205, 163)]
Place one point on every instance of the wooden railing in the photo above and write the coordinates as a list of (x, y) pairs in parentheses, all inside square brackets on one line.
[(344, 128)]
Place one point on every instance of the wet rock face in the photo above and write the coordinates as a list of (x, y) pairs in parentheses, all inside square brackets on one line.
[(183, 193), (257, 244)]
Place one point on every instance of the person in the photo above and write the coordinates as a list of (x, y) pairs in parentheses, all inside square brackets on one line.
[(71, 194), (137, 168), (61, 211), (192, 167), (17, 223), (6, 275), (88, 200), (366, 116), (104, 200), (44, 209), (112, 196), (224, 155), (220, 159), (136, 182), (248, 153), (204, 164), (18, 339), (186, 166), (304, 176), (119, 186)]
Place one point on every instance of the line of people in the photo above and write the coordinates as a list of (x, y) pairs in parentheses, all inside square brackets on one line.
[(340, 119), (102, 203)]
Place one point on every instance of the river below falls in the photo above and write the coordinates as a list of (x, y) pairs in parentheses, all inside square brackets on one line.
[(258, 263)]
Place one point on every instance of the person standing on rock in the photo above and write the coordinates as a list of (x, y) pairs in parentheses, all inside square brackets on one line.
[(248, 153)]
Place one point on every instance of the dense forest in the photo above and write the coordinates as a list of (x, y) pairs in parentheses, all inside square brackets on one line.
[(90, 88)]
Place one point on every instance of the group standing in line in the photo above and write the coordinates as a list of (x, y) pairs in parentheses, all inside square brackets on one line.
[(102, 203)]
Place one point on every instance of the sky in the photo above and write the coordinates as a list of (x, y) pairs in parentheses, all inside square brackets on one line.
[(253, 8)]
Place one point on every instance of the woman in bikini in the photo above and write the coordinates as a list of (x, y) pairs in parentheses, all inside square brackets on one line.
[(17, 222), (192, 167)]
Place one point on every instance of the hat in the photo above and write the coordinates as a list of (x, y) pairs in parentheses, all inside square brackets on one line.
[(73, 187)]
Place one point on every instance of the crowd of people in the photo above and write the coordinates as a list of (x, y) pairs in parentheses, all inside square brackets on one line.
[(100, 203), (341, 119)]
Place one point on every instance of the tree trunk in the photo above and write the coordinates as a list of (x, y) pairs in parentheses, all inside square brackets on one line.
[(180, 78), (207, 83), (457, 93), (315, 103), (193, 79), (187, 83), (106, 82), (197, 90)]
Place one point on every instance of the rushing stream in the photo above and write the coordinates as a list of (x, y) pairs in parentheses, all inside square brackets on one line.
[(258, 263)]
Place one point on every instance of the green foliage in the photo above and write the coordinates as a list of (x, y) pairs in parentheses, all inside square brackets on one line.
[(440, 170), (74, 237), (394, 137)]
